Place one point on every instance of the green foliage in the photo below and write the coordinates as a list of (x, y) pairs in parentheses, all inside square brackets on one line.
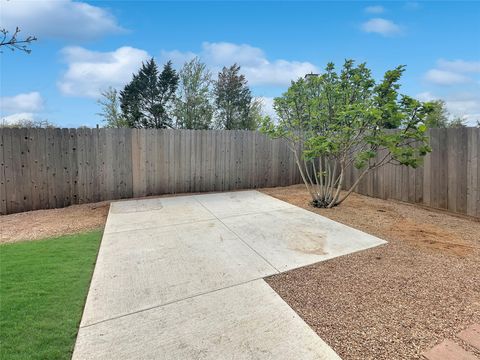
[(385, 96), (457, 122), (130, 102), (110, 109), (147, 101), (438, 115), (235, 106), (193, 108), (346, 118), (43, 288)]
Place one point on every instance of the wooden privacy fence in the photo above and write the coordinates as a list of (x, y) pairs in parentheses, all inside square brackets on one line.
[(448, 179), (51, 168)]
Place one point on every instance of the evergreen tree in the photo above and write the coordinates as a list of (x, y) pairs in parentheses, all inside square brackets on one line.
[(130, 103), (235, 107), (147, 100)]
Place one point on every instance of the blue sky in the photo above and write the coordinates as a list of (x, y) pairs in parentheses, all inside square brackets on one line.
[(84, 47)]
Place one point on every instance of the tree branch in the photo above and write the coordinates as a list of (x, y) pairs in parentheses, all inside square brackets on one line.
[(13, 43)]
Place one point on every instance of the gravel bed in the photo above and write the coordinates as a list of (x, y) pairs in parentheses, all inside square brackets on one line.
[(393, 301)]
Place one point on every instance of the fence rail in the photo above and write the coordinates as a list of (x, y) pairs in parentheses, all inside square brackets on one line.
[(51, 168)]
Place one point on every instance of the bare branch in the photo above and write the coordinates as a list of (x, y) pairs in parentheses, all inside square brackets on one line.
[(14, 43)]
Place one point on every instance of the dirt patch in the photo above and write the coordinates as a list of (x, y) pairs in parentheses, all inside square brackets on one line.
[(393, 301), (432, 236), (41, 224)]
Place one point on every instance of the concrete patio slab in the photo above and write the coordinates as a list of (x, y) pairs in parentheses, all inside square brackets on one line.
[(140, 269), (152, 213), (224, 205), (181, 278), (292, 238), (248, 321)]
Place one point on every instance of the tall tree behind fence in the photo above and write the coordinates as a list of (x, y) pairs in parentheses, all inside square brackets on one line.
[(49, 168)]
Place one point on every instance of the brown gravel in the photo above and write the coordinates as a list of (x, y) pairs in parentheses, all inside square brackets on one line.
[(393, 301), (39, 224)]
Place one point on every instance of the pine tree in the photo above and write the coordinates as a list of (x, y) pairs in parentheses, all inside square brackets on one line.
[(130, 103), (147, 100)]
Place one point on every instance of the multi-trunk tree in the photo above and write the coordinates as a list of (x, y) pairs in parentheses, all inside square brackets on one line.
[(336, 120)]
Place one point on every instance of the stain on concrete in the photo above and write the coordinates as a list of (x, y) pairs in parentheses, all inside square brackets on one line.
[(307, 241), (138, 206)]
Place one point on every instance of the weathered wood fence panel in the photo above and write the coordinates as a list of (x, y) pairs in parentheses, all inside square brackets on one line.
[(449, 178), (50, 168)]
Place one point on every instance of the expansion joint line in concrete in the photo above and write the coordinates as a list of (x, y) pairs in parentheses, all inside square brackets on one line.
[(239, 237), (169, 303)]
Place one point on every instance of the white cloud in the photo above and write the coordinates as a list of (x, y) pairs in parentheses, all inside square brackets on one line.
[(89, 72), (377, 9), (254, 64), (22, 103), (452, 72), (426, 96), (466, 105), (224, 52), (381, 26), (64, 19), (463, 104), (460, 66), (177, 57), (16, 118), (463, 92), (444, 77)]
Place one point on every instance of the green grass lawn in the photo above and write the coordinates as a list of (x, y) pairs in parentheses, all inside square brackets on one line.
[(43, 287)]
